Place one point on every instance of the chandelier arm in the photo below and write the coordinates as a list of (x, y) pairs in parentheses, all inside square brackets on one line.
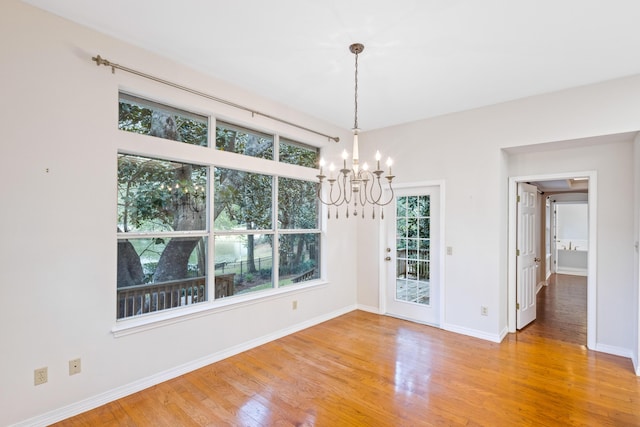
[(339, 200), (390, 197), (347, 195), (368, 176), (319, 194), (363, 193), (374, 200)]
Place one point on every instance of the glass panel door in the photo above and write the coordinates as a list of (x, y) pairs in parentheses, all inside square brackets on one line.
[(413, 245)]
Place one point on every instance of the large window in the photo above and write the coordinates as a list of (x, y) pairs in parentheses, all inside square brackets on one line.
[(190, 233)]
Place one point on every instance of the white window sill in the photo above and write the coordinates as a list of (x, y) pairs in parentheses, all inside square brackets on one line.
[(163, 318)]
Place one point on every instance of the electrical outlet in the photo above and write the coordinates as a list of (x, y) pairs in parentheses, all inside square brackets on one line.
[(294, 305), (484, 311), (40, 376), (74, 367)]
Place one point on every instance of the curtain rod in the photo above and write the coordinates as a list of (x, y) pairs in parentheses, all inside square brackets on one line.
[(102, 61)]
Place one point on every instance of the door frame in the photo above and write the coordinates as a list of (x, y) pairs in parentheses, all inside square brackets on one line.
[(591, 259), (383, 265)]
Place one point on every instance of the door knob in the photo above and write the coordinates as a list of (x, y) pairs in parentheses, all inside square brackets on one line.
[(387, 258), (536, 259)]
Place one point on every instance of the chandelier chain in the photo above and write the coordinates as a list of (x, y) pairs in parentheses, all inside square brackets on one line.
[(355, 120)]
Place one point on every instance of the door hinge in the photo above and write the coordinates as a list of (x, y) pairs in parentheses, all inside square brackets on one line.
[(518, 198), (517, 252), (517, 306)]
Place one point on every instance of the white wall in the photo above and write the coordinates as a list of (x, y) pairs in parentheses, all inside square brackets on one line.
[(573, 223), (58, 277), (636, 265), (466, 151)]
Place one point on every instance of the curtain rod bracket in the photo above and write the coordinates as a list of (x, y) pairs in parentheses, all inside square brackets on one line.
[(102, 61)]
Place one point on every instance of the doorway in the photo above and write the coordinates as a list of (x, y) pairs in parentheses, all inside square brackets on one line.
[(411, 285), (513, 247)]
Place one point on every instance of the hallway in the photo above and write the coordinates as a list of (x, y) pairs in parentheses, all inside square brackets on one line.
[(561, 310)]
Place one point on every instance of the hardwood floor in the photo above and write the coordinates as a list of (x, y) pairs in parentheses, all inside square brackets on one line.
[(363, 369), (562, 310)]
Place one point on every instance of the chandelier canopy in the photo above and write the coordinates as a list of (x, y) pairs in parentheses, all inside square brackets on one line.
[(356, 184)]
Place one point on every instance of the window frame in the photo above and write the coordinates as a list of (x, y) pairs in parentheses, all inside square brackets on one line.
[(210, 157)]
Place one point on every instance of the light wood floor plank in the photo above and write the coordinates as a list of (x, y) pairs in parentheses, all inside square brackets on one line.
[(370, 370)]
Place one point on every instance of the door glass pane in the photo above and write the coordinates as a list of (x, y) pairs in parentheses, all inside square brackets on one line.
[(413, 260)]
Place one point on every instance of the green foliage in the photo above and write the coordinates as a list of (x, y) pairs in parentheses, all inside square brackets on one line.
[(152, 192), (245, 197), (192, 131), (133, 118), (297, 204), (138, 119), (298, 154), (243, 141)]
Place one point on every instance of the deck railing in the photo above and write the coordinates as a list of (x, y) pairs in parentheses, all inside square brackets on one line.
[(148, 298)]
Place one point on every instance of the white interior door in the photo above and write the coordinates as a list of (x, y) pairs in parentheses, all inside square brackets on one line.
[(413, 252), (526, 255)]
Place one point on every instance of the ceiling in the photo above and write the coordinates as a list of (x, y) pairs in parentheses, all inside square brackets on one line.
[(553, 186), (422, 58)]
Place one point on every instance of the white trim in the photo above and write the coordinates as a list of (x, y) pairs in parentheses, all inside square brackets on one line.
[(592, 256), (369, 309), (382, 232), (136, 386), (573, 271), (616, 351), (497, 338)]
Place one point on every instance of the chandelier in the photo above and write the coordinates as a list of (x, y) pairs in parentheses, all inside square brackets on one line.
[(356, 184)]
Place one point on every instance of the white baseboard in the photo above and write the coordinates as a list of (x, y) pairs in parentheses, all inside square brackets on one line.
[(616, 351), (572, 271), (369, 309), (475, 333), (136, 386)]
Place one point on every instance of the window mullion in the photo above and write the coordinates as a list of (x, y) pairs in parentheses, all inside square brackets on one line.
[(276, 235)]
